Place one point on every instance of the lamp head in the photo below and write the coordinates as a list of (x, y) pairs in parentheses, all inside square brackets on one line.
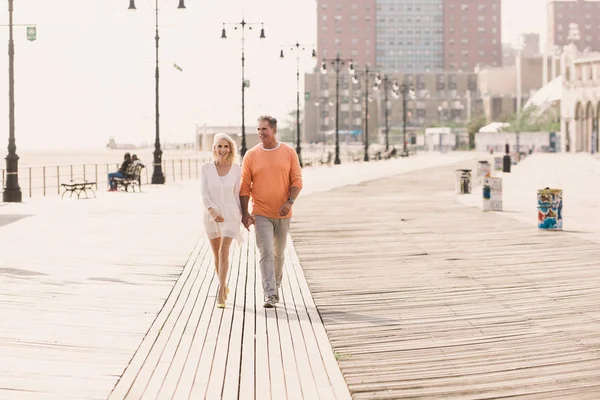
[(223, 33), (131, 5), (262, 32)]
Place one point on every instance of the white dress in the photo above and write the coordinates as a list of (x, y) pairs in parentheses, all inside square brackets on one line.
[(223, 195)]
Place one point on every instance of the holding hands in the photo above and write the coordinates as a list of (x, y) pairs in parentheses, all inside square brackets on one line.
[(247, 220)]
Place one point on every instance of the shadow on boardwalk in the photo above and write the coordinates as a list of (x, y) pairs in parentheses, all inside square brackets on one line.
[(427, 298)]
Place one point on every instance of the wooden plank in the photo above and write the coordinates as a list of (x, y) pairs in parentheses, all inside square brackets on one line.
[(125, 384), (247, 387), (261, 351), (231, 383)]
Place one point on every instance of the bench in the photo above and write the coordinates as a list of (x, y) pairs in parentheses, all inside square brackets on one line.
[(131, 179), (78, 186), (326, 158)]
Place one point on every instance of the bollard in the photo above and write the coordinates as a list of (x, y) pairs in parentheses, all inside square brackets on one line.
[(506, 163), (549, 209), (492, 194), (463, 181)]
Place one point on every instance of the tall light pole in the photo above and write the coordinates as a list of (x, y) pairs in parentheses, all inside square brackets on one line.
[(386, 89), (157, 175), (368, 73), (12, 191), (299, 47), (404, 90), (337, 62), (242, 25)]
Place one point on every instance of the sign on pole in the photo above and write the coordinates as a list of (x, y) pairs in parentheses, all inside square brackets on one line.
[(307, 96), (31, 33), (247, 83)]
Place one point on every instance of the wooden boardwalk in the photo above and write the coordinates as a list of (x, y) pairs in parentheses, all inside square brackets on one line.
[(423, 297), (196, 351)]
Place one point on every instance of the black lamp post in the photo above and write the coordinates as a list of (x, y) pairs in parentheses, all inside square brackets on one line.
[(298, 47), (337, 62), (243, 26), (404, 90), (12, 191), (157, 175), (368, 73)]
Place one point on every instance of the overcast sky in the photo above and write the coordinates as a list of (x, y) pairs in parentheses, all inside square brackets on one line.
[(90, 73)]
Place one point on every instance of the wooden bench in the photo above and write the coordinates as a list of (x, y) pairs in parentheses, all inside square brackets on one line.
[(131, 179), (326, 158), (78, 186)]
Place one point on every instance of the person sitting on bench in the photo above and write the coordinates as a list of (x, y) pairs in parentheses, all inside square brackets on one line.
[(120, 173)]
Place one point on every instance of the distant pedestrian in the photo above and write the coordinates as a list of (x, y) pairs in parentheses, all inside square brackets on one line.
[(222, 213), (271, 175), (119, 174)]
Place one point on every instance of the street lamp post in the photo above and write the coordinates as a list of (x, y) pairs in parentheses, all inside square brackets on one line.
[(337, 62), (405, 90), (386, 82), (12, 191), (157, 175), (298, 47), (376, 82), (242, 25)]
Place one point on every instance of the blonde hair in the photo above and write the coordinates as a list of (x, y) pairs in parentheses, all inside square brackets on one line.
[(232, 146)]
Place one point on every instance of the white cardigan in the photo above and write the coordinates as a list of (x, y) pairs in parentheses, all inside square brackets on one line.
[(224, 197)]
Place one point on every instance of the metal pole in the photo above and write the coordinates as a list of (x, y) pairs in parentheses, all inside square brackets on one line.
[(157, 176), (366, 157), (298, 147), (404, 92), (387, 125), (12, 191), (337, 110), (243, 149)]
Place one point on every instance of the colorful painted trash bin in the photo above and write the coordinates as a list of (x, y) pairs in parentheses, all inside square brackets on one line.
[(549, 204), (492, 194), (463, 181)]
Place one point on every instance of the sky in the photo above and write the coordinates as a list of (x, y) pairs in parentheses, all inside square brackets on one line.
[(90, 73)]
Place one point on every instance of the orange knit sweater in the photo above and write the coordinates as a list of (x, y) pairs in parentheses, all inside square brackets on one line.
[(267, 176)]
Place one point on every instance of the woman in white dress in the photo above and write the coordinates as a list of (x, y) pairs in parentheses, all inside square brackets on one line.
[(222, 210)]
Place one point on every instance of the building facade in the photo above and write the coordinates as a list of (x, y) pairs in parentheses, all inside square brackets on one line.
[(580, 103), (410, 35), (565, 15), (347, 27), (472, 34), (439, 98)]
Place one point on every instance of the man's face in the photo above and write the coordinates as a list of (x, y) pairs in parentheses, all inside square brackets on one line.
[(266, 134)]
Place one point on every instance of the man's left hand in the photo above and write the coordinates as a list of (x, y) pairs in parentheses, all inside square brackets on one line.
[(285, 208)]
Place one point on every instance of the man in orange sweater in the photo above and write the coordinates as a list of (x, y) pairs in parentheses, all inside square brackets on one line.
[(271, 175)]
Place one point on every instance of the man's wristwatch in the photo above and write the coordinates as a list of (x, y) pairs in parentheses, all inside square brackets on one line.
[(291, 200)]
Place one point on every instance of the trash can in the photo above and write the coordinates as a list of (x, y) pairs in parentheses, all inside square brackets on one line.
[(463, 181), (492, 194), (483, 169), (549, 204), (497, 163)]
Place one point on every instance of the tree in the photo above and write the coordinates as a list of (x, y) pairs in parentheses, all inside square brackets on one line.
[(530, 120), (473, 126)]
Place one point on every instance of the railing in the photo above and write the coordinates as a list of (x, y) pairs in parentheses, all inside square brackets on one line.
[(46, 179)]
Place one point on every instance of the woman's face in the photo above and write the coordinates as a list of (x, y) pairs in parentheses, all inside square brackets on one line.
[(222, 149)]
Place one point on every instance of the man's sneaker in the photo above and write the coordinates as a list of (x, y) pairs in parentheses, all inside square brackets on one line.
[(270, 302), (276, 297)]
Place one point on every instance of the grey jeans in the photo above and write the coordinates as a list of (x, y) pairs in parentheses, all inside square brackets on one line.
[(271, 238)]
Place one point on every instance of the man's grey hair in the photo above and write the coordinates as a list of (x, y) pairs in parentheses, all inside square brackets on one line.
[(272, 121)]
